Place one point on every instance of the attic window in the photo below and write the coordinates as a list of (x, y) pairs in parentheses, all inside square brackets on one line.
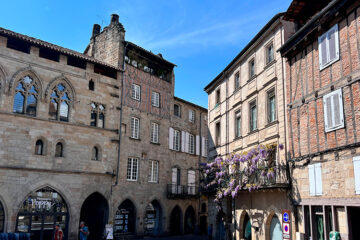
[(76, 62), (18, 45), (49, 54), (106, 71)]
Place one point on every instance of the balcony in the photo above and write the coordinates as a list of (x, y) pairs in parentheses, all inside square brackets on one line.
[(279, 178), (174, 191)]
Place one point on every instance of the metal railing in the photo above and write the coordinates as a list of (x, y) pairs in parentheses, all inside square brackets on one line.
[(181, 191)]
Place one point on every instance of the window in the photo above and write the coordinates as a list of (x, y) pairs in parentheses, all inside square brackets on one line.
[(237, 124), (175, 181), (271, 109), (204, 146), (132, 169), (333, 110), (252, 68), (39, 147), (191, 144), (329, 47), (237, 80), (356, 161), (217, 134), (155, 99), (97, 116), (91, 85), (154, 133), (135, 123), (176, 140), (218, 99), (95, 154), (253, 116), (177, 110), (269, 53), (135, 92), (192, 116), (59, 103), (153, 171), (26, 96), (315, 180), (59, 150)]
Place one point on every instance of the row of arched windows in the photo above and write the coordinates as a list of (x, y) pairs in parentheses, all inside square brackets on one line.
[(27, 95), (59, 150)]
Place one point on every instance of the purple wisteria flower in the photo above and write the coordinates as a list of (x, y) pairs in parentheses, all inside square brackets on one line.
[(281, 146)]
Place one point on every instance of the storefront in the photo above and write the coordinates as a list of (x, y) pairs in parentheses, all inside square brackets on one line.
[(125, 219), (153, 218), (40, 212)]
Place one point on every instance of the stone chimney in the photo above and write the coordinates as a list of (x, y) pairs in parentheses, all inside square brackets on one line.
[(96, 30), (114, 18)]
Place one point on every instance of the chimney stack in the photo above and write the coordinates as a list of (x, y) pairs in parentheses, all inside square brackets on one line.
[(96, 30), (114, 18)]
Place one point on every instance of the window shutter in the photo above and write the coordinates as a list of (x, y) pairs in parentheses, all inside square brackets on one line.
[(318, 179), (133, 93), (204, 147), (187, 136), (197, 145), (356, 161), (312, 180), (327, 113), (332, 47), (191, 182), (183, 140), (322, 51), (333, 110), (153, 99), (171, 138)]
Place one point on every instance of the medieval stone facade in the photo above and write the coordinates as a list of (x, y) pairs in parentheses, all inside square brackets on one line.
[(95, 137)]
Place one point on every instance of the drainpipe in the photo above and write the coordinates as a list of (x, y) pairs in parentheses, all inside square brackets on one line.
[(199, 161), (121, 111)]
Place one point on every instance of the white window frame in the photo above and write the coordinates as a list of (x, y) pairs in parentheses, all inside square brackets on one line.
[(135, 127), (337, 52), (154, 138), (155, 99), (153, 171), (191, 144), (191, 116), (315, 179), (176, 140), (132, 168), (329, 97), (135, 92), (356, 162)]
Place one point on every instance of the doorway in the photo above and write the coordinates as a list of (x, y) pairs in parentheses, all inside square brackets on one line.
[(175, 221), (125, 219), (275, 229), (153, 219), (354, 216), (95, 212), (189, 220)]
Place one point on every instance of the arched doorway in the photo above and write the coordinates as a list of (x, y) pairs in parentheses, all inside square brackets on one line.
[(125, 219), (153, 218), (40, 212), (2, 218), (95, 213), (246, 233), (275, 229), (189, 220), (220, 227), (175, 221)]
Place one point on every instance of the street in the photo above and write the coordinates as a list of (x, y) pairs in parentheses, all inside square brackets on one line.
[(184, 237)]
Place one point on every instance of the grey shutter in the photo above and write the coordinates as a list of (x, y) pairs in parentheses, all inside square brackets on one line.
[(327, 113), (183, 140), (312, 188), (356, 161), (191, 182), (197, 145), (171, 138), (323, 51), (174, 180), (336, 109), (332, 45), (187, 136)]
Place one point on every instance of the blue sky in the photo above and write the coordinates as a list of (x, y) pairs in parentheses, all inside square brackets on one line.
[(200, 37)]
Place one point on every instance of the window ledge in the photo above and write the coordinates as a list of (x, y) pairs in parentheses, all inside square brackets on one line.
[(237, 138), (237, 89), (136, 139), (272, 123), (252, 78), (253, 131), (155, 143), (328, 64), (269, 64), (130, 180)]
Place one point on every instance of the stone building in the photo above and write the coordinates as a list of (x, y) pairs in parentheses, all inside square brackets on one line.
[(246, 104), (323, 108), (63, 157)]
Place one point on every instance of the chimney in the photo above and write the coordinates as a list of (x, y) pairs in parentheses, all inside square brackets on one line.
[(114, 18), (96, 30)]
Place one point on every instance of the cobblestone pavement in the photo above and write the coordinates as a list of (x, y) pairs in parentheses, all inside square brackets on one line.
[(184, 237)]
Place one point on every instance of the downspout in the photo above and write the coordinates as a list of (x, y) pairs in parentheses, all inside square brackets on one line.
[(121, 111), (199, 161)]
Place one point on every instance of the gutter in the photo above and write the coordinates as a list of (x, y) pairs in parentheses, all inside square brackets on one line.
[(121, 111)]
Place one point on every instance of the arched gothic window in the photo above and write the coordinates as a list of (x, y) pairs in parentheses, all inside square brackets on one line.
[(59, 103), (26, 96), (97, 115), (59, 150), (39, 147)]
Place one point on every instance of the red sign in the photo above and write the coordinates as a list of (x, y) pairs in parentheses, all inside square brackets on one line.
[(286, 224)]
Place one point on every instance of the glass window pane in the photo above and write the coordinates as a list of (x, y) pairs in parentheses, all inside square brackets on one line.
[(93, 119), (101, 120), (19, 103), (20, 87), (27, 80), (60, 87), (64, 111), (53, 109), (23, 223), (33, 90), (31, 105)]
